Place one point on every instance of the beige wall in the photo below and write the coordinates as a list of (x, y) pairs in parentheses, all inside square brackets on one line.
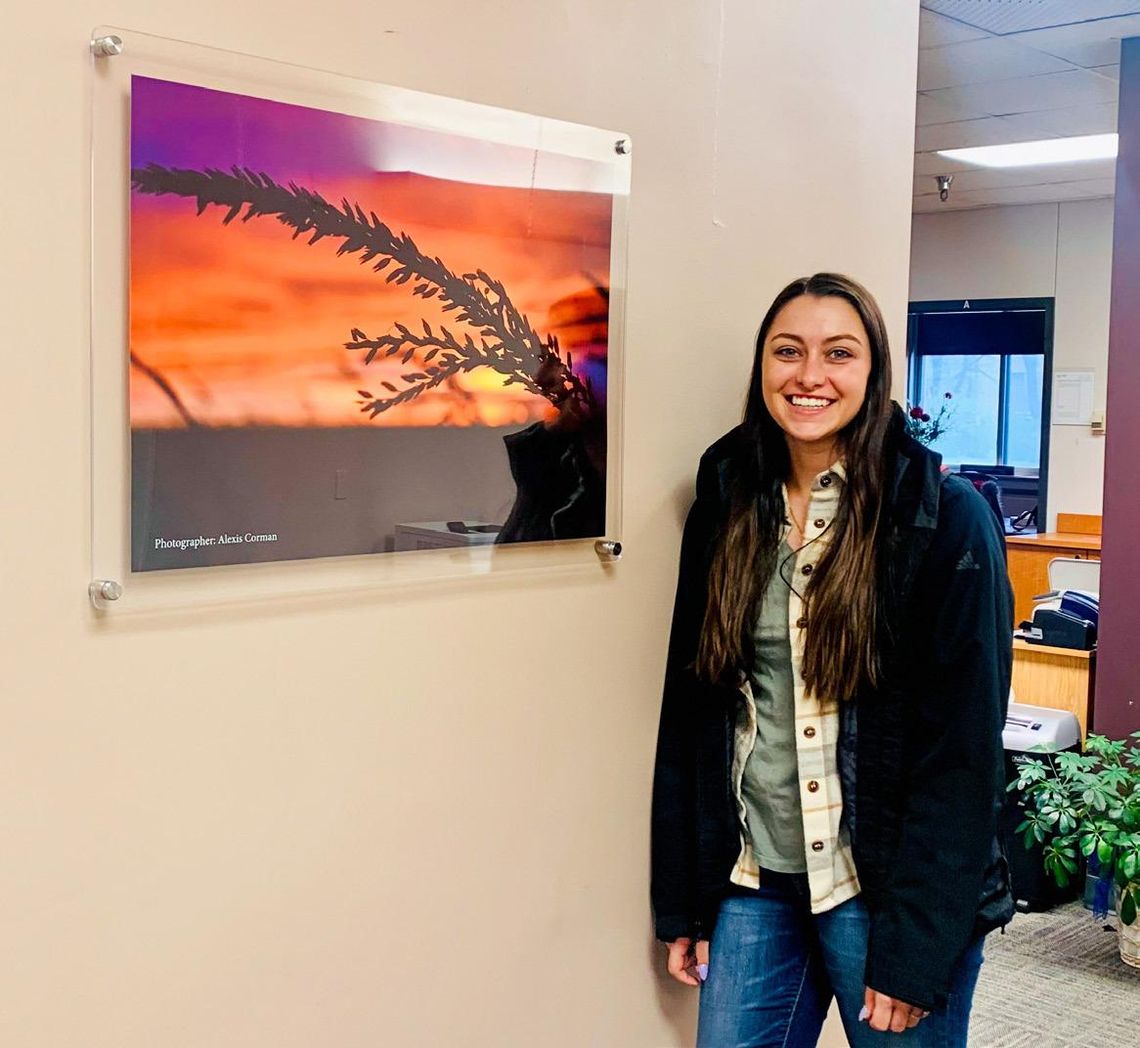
[(1061, 251), (392, 819)]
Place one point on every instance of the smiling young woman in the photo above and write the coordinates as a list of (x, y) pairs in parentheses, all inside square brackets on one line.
[(829, 758)]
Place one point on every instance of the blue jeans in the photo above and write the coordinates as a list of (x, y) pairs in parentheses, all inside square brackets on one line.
[(774, 967)]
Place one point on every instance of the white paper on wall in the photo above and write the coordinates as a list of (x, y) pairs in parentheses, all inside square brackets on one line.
[(1073, 398)]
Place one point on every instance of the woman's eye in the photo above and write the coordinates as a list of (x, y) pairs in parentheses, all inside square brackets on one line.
[(840, 353), (785, 351)]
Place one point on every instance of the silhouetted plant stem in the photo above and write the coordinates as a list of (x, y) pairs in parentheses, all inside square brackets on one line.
[(507, 342), (157, 378)]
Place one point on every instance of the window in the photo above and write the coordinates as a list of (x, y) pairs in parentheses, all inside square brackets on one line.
[(993, 357), (974, 381)]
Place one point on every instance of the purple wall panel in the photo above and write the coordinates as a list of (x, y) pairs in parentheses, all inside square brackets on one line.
[(1117, 709)]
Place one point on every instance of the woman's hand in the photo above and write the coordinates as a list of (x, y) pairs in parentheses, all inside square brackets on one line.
[(688, 961), (889, 1013)]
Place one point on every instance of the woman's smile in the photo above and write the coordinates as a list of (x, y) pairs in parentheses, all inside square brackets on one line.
[(809, 405)]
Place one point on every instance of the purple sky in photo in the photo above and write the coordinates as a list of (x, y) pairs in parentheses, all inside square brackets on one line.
[(180, 125)]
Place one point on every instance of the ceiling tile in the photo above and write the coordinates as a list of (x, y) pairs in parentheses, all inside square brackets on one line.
[(1073, 120), (927, 165), (1028, 181), (1110, 72), (1012, 16), (923, 205), (1044, 194), (978, 61), (931, 164), (1100, 186), (1084, 44), (989, 131), (1026, 126), (964, 193), (981, 178), (1030, 94), (937, 30), (931, 111)]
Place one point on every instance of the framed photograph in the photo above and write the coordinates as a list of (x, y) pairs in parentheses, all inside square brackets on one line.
[(353, 319)]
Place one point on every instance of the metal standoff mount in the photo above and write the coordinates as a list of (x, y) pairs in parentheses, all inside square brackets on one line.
[(102, 591), (622, 147), (107, 46), (944, 182), (607, 549)]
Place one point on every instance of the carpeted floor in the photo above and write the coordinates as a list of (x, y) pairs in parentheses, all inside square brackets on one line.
[(1056, 980)]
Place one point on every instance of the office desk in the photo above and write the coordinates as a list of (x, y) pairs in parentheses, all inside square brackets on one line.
[(1059, 678), (1028, 558)]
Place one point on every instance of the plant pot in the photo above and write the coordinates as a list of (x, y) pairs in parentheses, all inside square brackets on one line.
[(1129, 935)]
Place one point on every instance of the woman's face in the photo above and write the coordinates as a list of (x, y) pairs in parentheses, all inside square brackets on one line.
[(815, 367)]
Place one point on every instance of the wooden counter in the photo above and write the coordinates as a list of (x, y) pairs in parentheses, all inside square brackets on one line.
[(1055, 677), (1028, 557)]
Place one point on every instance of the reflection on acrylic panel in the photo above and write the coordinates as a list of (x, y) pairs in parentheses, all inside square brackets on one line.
[(354, 336)]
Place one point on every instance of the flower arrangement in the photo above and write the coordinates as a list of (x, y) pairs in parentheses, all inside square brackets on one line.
[(927, 428)]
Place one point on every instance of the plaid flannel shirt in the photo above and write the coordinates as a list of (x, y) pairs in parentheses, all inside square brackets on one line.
[(830, 865)]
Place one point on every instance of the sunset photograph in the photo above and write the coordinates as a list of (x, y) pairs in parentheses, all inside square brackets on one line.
[(338, 324)]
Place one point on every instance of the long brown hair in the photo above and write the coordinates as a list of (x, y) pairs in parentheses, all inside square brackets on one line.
[(841, 600)]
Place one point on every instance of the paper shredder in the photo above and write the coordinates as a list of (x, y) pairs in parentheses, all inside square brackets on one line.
[(1038, 733)]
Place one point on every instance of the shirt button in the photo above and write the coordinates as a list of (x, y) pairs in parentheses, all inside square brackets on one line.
[(801, 623), (809, 732), (821, 523), (817, 846), (813, 786), (806, 569)]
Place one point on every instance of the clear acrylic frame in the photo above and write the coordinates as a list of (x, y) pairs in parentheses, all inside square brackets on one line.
[(118, 55)]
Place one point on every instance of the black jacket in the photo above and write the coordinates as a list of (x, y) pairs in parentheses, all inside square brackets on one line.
[(920, 755)]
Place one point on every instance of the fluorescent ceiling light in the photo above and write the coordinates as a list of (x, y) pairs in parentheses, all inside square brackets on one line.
[(1047, 151)]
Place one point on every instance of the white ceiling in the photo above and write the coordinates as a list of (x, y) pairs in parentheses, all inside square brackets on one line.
[(1014, 71)]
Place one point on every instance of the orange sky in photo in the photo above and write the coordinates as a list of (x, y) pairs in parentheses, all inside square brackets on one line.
[(247, 325)]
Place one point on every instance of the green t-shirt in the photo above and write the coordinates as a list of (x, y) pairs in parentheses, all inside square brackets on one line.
[(770, 787)]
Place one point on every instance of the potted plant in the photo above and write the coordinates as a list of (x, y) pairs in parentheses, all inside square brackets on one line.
[(1088, 805)]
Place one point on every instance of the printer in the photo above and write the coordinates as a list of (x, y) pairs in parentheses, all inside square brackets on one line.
[(1064, 618)]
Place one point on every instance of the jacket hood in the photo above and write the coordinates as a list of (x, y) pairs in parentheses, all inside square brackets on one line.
[(917, 482)]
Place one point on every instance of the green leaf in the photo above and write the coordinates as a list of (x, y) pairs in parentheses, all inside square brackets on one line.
[(1104, 852), (1128, 907)]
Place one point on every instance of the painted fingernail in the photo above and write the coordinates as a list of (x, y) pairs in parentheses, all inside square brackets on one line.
[(702, 972), (864, 1014)]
